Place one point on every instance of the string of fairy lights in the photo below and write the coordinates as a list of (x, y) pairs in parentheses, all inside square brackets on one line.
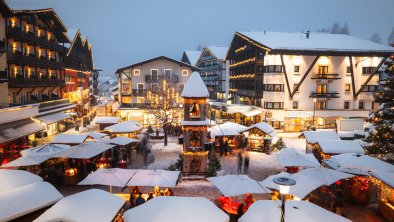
[(243, 76), (243, 62)]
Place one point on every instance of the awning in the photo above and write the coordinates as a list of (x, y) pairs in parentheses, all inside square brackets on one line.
[(52, 118), (252, 112), (18, 129)]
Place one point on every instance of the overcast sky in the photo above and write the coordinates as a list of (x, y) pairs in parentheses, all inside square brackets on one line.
[(126, 31)]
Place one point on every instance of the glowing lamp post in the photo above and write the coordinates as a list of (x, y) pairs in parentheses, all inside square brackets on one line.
[(284, 187), (314, 110)]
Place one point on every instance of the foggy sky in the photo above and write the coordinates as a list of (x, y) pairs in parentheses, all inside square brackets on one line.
[(126, 31)]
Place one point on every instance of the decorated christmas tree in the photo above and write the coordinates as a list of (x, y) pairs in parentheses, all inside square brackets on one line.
[(381, 136)]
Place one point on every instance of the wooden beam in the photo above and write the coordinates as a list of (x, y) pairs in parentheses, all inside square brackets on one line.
[(370, 76), (285, 73), (352, 76), (19, 91), (32, 90), (304, 76)]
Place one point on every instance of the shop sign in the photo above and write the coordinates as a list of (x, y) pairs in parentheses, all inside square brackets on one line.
[(299, 114)]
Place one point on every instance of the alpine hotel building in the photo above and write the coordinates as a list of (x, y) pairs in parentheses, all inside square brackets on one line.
[(301, 77)]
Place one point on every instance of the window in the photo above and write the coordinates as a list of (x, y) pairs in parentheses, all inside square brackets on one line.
[(137, 72), (273, 68), (185, 72), (348, 71), (167, 73), (370, 88), (368, 70), (323, 70), (126, 88), (347, 87), (295, 85), (295, 104), (140, 100), (181, 86), (274, 87), (297, 69), (154, 73), (273, 105), (346, 105), (195, 110), (321, 105), (361, 105), (260, 69), (140, 86), (321, 88)]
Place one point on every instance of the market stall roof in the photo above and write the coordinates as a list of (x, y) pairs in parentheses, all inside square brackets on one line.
[(71, 139), (107, 120), (340, 146), (124, 127), (27, 199), (252, 112), (52, 118), (28, 160), (175, 209), (84, 151), (289, 157), (122, 141), (353, 171), (97, 135), (18, 129), (195, 87), (316, 136), (303, 186), (110, 177), (234, 185), (361, 162), (222, 132), (150, 178), (44, 150), (195, 123), (10, 179), (231, 126), (323, 175), (89, 205), (263, 210), (264, 127), (386, 177)]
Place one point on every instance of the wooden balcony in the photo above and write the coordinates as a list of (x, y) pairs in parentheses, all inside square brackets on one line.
[(139, 92), (33, 82), (327, 95)]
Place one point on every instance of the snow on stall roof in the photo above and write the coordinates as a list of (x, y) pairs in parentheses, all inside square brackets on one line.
[(315, 136), (219, 51), (54, 117), (195, 87), (360, 162), (386, 177), (107, 120), (97, 135), (121, 140), (315, 42), (11, 179), (124, 127), (69, 138), (193, 56), (89, 205), (27, 199), (84, 150), (264, 127), (340, 146), (195, 123)]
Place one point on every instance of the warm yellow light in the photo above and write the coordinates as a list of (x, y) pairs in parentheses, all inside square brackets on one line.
[(14, 47), (39, 33), (284, 189), (297, 60), (324, 60), (12, 23)]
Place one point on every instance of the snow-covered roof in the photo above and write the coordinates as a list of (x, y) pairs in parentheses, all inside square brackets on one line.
[(89, 205), (386, 177), (11, 179), (340, 146), (227, 129), (27, 199), (316, 136), (84, 151), (107, 120), (264, 127), (195, 87), (124, 127), (195, 123), (52, 118), (219, 51), (315, 42), (121, 140), (193, 56), (69, 138), (361, 162)]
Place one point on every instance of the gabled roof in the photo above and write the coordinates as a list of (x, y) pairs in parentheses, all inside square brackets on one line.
[(219, 52), (195, 87), (46, 11), (193, 68), (4, 8), (316, 42), (192, 56)]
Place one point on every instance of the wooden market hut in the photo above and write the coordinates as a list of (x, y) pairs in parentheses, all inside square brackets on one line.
[(260, 137), (385, 182)]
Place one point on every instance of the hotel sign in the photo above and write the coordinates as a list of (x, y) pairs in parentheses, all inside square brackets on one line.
[(299, 114)]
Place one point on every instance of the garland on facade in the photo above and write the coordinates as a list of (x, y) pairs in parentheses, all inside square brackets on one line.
[(240, 49), (243, 76), (196, 128), (243, 62), (194, 100)]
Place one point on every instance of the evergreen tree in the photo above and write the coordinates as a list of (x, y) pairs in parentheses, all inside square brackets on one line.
[(279, 144), (390, 39), (213, 165), (381, 136), (375, 37)]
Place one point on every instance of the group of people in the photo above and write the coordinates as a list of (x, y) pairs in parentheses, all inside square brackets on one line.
[(224, 146), (136, 197)]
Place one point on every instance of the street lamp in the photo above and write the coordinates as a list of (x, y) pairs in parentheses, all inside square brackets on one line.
[(106, 107), (314, 110), (284, 187)]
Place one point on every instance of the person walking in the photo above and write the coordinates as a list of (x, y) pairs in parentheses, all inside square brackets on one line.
[(140, 200), (221, 146), (240, 160), (246, 161)]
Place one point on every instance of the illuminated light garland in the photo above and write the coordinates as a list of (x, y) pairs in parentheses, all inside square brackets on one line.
[(252, 42), (243, 62), (243, 76), (240, 49), (233, 90), (188, 153), (197, 100), (195, 128), (386, 191)]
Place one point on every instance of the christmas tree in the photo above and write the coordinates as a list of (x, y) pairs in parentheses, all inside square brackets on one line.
[(381, 136), (279, 144), (213, 165)]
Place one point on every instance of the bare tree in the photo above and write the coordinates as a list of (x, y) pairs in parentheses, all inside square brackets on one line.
[(163, 101), (375, 37), (336, 28)]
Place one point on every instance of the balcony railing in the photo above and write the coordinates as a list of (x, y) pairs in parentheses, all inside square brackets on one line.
[(139, 92), (324, 95), (133, 105), (32, 82), (53, 103), (152, 79), (326, 76)]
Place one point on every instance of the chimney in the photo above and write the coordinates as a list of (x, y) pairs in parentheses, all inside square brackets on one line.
[(307, 33)]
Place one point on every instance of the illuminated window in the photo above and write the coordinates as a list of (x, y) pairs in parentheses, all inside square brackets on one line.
[(347, 87), (194, 110), (185, 72), (140, 100), (323, 69), (137, 72)]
